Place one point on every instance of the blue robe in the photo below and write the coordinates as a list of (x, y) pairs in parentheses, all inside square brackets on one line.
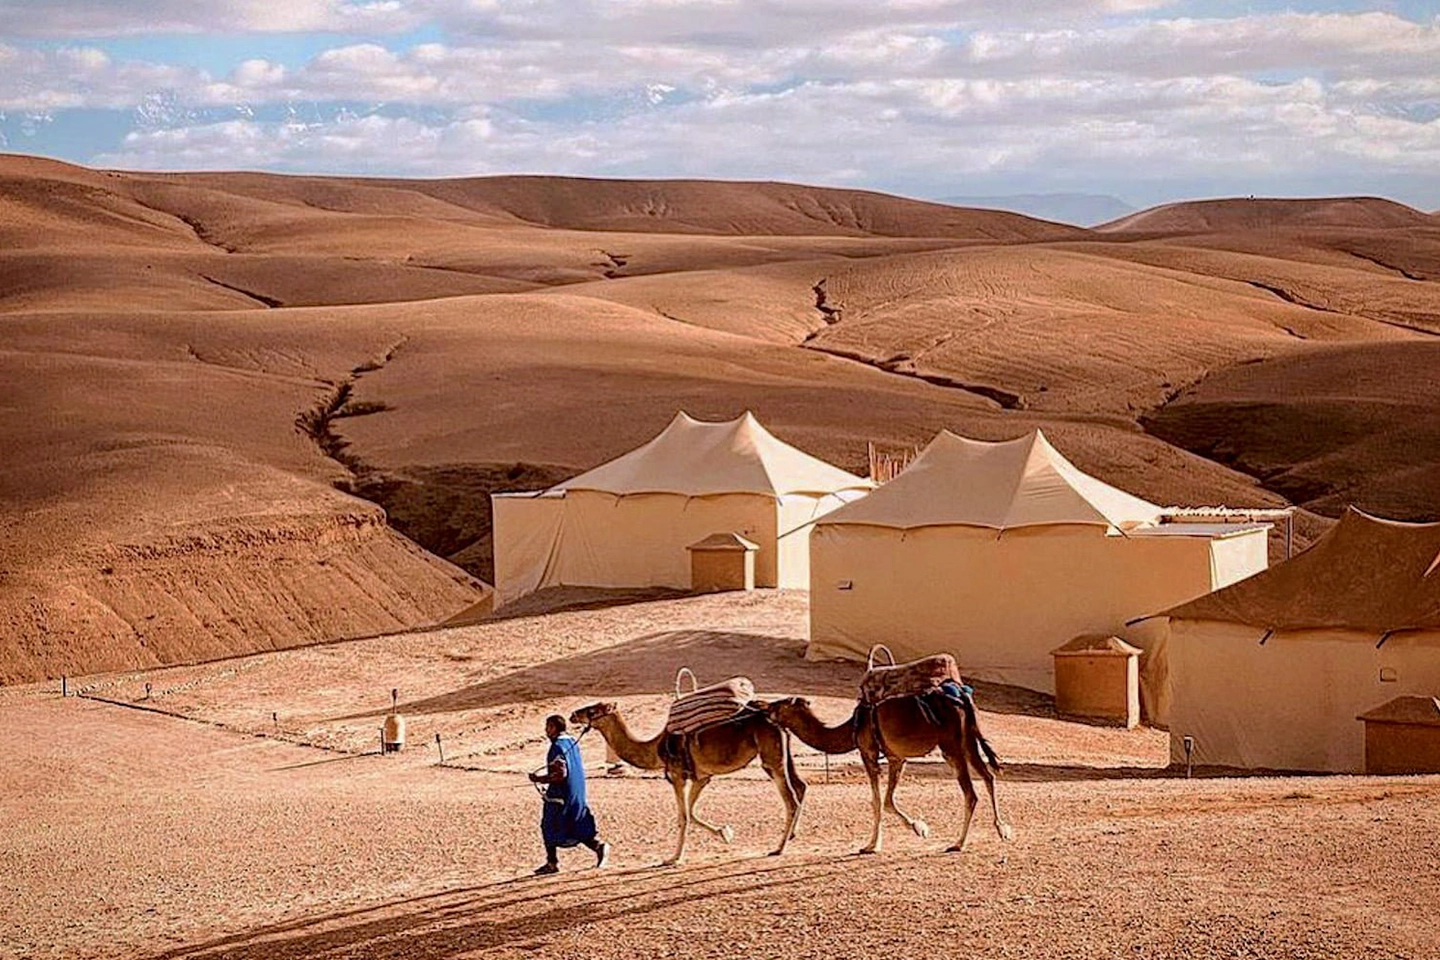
[(567, 820)]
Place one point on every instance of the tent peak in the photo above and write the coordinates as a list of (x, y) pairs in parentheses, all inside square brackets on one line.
[(698, 458), (1003, 484)]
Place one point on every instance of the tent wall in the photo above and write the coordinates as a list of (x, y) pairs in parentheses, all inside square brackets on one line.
[(1233, 558), (798, 512), (999, 603), (1236, 557), (1290, 703), (525, 533), (601, 540), (1152, 636)]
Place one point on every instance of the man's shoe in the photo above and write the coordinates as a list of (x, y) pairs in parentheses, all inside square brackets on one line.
[(547, 869), (602, 855)]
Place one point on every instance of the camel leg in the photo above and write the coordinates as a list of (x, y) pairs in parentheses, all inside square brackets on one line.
[(773, 760), (872, 770), (725, 833), (1006, 831), (897, 767), (967, 788), (796, 782), (682, 811)]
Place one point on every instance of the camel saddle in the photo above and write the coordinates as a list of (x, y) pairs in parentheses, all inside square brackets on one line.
[(707, 706), (914, 679)]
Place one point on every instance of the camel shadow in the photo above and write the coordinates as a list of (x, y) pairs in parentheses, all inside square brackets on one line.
[(1058, 772), (647, 665), (451, 924)]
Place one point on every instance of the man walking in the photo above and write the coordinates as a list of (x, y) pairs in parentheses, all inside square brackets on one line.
[(567, 820)]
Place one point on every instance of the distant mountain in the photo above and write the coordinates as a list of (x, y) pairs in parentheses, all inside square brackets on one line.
[(1080, 209)]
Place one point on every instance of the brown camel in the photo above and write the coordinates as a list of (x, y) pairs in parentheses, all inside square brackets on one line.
[(900, 729), (713, 751)]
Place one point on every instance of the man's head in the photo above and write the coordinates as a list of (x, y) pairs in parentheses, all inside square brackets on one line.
[(554, 726)]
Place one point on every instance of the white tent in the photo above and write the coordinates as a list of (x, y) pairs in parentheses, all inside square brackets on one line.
[(627, 522), (1271, 673), (1000, 552)]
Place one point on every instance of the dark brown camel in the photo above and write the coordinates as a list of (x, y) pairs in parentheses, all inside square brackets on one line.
[(714, 751), (900, 729)]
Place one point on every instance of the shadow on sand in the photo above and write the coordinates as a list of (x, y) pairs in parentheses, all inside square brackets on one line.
[(572, 599), (510, 913), (647, 665)]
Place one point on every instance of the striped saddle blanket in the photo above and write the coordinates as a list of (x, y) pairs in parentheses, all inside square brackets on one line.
[(710, 705), (913, 679)]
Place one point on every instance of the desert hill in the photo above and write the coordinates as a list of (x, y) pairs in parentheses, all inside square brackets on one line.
[(1264, 213), (216, 381), (1319, 424), (649, 206), (73, 238)]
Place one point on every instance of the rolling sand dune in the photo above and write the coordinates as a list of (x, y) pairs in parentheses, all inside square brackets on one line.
[(201, 369)]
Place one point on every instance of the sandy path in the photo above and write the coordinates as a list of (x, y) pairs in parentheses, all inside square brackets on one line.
[(141, 835), (136, 834)]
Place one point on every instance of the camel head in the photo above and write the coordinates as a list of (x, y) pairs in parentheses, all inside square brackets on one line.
[(779, 710), (588, 716)]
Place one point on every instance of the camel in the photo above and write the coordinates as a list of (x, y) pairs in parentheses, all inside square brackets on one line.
[(900, 729), (713, 751)]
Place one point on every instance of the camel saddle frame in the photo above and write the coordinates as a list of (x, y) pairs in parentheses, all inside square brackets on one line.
[(913, 679)]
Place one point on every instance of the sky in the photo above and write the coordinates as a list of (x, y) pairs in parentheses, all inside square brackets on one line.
[(1147, 100)]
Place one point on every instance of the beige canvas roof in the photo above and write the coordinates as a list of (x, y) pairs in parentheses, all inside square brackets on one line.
[(1364, 574), (697, 458), (1023, 482)]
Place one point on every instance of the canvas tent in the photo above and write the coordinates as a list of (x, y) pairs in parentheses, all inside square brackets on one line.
[(628, 522), (1000, 552), (1271, 673)]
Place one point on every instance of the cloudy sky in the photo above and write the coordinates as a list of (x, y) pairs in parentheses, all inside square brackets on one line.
[(1149, 100)]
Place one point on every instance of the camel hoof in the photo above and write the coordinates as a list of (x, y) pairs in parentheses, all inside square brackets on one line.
[(867, 851), (671, 862), (727, 833), (1007, 832), (921, 828), (956, 847), (775, 853)]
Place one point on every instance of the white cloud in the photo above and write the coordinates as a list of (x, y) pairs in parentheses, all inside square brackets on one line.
[(1342, 43), (748, 24), (844, 133), (81, 77), (842, 90), (1391, 54), (108, 18)]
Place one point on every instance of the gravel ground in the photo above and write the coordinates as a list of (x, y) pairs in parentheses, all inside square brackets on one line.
[(137, 834)]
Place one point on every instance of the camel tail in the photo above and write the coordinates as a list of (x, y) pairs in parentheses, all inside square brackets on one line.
[(970, 716)]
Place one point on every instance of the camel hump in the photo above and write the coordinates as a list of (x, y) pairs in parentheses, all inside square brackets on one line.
[(914, 678)]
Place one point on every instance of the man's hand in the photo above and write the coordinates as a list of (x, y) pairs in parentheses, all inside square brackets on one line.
[(555, 773)]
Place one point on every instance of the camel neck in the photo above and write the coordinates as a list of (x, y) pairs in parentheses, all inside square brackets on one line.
[(644, 754), (814, 733)]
